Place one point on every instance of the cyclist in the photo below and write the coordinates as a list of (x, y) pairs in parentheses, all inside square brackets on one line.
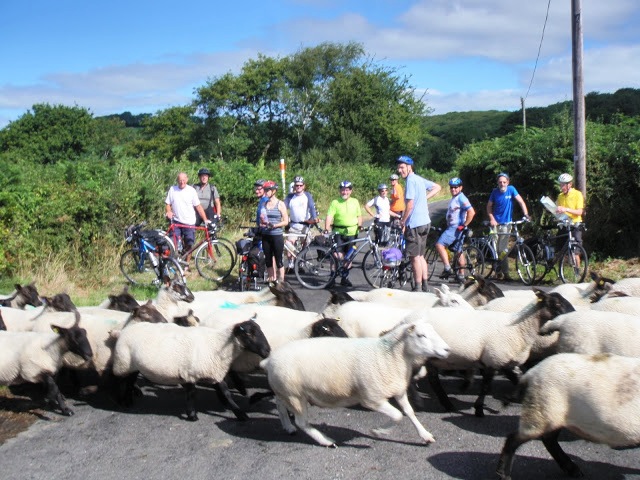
[(382, 216), (500, 209), (570, 202), (396, 196), (345, 217), (302, 208), (416, 218), (181, 205), (272, 223), (459, 216), (208, 195)]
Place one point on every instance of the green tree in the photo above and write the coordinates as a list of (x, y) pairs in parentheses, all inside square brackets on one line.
[(50, 133)]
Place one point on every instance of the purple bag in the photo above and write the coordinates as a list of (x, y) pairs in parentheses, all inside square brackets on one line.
[(391, 257)]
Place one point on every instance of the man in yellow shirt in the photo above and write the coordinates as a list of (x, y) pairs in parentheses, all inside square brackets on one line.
[(571, 203)]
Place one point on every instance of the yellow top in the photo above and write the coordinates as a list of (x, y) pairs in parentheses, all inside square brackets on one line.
[(574, 200)]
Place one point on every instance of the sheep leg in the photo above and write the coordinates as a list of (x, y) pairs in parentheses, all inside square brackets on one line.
[(190, 389), (303, 424), (511, 444), (283, 413), (129, 385), (485, 388), (434, 381), (225, 397), (237, 382), (54, 396), (550, 441), (403, 401)]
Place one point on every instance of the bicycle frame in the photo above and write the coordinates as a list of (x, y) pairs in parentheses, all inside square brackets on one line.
[(343, 261), (294, 246)]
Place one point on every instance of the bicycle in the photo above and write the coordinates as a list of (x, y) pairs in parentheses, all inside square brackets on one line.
[(317, 266), (572, 261), (300, 240), (394, 269), (251, 271), (473, 259), (525, 261), (148, 261), (214, 259)]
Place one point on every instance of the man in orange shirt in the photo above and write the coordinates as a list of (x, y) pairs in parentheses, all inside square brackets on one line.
[(396, 196)]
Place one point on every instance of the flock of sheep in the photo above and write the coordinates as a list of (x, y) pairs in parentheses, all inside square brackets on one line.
[(579, 345)]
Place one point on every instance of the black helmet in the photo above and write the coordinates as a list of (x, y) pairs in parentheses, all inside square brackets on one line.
[(204, 171), (259, 183), (346, 184), (298, 179)]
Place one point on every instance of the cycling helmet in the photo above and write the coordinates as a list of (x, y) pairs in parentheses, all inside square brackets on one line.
[(204, 171), (259, 183), (298, 179), (455, 182), (503, 174), (393, 177), (270, 185), (346, 184), (404, 159), (565, 178), (382, 186)]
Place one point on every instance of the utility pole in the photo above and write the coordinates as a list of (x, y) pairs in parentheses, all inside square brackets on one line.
[(524, 114), (579, 136)]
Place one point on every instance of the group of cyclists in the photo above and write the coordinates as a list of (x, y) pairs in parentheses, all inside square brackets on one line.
[(409, 210)]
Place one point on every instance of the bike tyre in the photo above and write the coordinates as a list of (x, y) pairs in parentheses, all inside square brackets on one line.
[(474, 262), (372, 268), (315, 267), (172, 270), (569, 273), (217, 268), (525, 264), (490, 258), (135, 271), (232, 249), (434, 264)]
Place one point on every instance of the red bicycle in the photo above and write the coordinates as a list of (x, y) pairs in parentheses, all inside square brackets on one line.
[(214, 259)]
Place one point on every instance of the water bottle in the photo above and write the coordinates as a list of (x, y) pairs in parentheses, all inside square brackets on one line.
[(350, 253), (264, 219), (153, 259), (179, 244), (503, 254)]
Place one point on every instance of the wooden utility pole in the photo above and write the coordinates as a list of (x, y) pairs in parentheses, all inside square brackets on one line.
[(579, 136), (524, 114)]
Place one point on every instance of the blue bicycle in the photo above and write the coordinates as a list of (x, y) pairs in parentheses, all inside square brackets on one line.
[(148, 262)]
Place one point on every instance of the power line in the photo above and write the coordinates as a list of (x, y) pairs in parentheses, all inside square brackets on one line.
[(539, 49)]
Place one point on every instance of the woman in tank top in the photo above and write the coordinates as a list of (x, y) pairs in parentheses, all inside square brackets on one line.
[(273, 220)]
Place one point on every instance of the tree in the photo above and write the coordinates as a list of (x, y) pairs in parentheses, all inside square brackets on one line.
[(49, 134)]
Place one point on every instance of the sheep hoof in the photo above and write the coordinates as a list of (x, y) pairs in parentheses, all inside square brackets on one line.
[(192, 416), (479, 412), (380, 432), (333, 445), (428, 439), (67, 412), (241, 416)]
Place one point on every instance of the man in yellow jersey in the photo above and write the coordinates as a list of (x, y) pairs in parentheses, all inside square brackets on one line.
[(571, 203)]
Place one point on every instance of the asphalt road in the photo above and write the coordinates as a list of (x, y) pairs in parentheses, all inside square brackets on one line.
[(154, 441)]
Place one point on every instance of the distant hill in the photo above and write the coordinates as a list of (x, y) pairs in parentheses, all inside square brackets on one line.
[(130, 120)]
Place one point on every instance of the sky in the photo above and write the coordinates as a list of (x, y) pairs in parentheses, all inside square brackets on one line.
[(144, 56)]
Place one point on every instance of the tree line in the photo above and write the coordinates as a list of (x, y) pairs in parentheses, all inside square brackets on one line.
[(72, 181)]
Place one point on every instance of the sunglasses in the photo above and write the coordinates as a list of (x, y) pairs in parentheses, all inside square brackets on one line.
[(454, 186), (299, 185)]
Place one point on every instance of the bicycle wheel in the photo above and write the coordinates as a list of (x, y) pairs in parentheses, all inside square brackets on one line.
[(372, 268), (434, 264), (316, 267), (214, 263), (525, 264), (542, 266), (572, 269), (171, 269), (474, 262), (405, 274), (489, 256), (137, 268), (232, 248)]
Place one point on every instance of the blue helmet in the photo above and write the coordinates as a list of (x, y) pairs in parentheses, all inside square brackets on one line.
[(404, 159), (455, 182)]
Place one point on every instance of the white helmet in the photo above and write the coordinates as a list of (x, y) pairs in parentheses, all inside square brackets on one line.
[(565, 178)]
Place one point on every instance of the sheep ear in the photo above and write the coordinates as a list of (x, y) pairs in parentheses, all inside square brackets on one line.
[(438, 292), (255, 316)]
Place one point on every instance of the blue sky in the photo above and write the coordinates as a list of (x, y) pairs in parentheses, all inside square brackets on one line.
[(144, 56)]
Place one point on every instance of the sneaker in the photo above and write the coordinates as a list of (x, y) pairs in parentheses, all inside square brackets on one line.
[(460, 278), (445, 273), (345, 282)]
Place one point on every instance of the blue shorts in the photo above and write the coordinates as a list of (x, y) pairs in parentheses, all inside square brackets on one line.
[(449, 236), (188, 235)]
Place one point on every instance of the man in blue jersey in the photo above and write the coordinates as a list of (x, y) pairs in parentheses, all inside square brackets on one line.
[(415, 218), (500, 210)]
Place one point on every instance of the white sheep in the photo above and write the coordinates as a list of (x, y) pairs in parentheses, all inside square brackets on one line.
[(488, 340), (168, 354), (341, 372), (626, 286), (622, 304), (36, 357), (597, 397), (18, 320), (596, 332)]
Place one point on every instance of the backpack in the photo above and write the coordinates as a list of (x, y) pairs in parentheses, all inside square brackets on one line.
[(391, 257), (256, 262)]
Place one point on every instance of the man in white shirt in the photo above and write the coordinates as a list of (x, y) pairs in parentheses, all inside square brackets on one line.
[(302, 208), (180, 203)]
